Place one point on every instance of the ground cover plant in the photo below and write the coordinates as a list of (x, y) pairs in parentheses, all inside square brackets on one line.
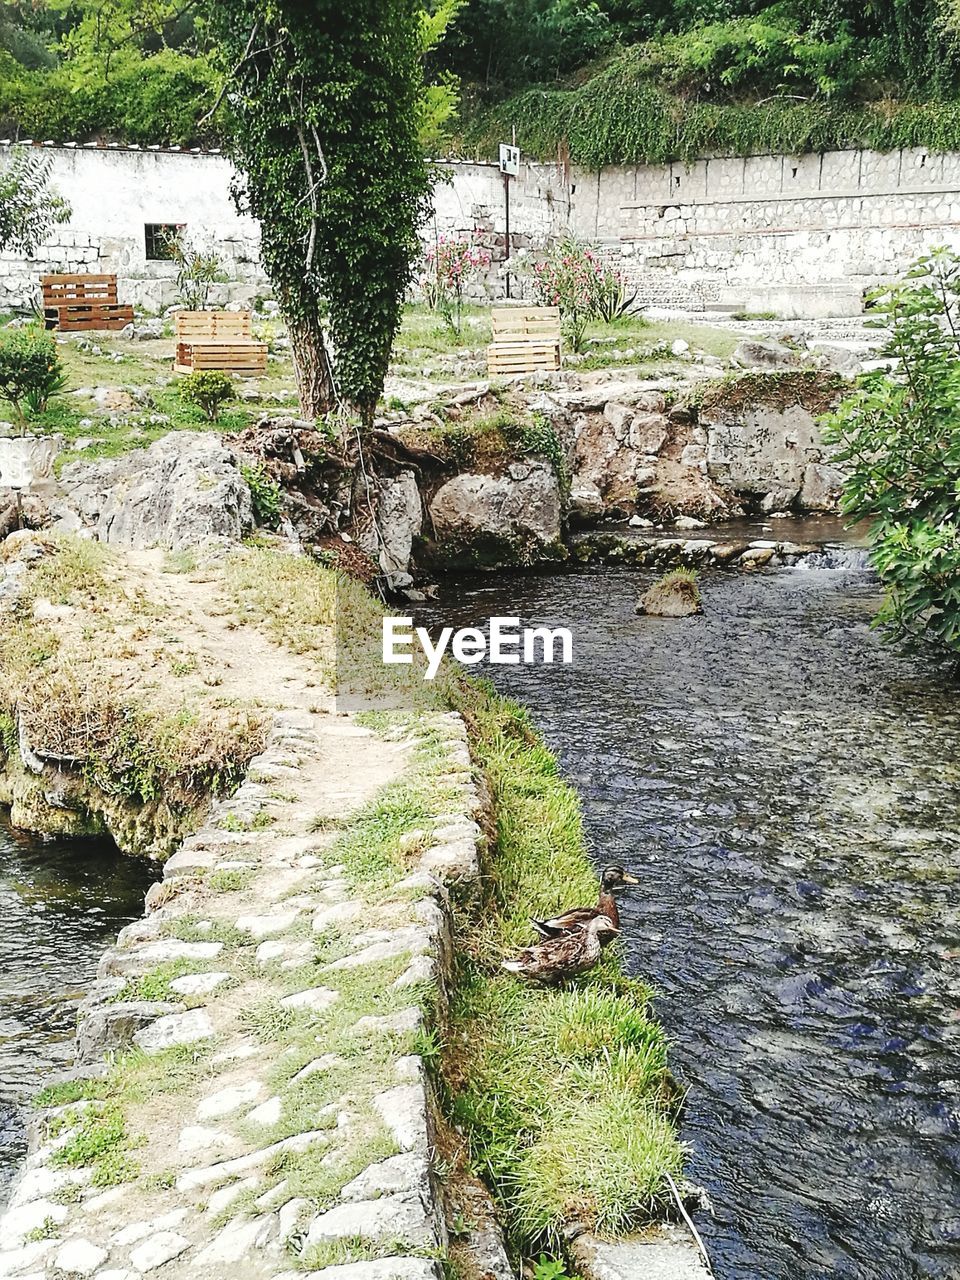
[(899, 434)]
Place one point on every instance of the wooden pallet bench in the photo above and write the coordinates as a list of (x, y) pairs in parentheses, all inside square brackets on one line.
[(218, 340), (525, 339), (83, 302)]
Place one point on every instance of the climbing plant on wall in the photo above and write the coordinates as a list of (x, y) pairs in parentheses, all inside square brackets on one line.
[(322, 113)]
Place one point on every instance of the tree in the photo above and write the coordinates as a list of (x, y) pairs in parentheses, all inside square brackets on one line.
[(323, 119), (29, 209), (900, 435)]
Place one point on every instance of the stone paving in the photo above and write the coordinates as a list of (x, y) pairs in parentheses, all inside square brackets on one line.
[(275, 1110)]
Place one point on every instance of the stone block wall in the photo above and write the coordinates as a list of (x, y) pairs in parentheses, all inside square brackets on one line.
[(113, 193), (798, 235)]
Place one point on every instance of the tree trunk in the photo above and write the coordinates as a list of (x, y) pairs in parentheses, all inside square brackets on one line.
[(311, 361)]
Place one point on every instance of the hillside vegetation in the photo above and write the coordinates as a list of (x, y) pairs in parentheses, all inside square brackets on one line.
[(595, 81)]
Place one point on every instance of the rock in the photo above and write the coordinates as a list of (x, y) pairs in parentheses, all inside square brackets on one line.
[(294, 1217), (141, 959), (184, 491), (158, 1250), (756, 557), (498, 520), (378, 1269), (649, 433), (675, 596), (230, 1099), (689, 522), (264, 926), (236, 1242), (198, 1137), (768, 355), (267, 1113), (198, 984), (174, 1029), (333, 916), (400, 521), (679, 347), (105, 1027), (821, 487), (25, 1218), (724, 552), (316, 998), (391, 1218), (404, 1110), (586, 502), (79, 1258), (397, 1173)]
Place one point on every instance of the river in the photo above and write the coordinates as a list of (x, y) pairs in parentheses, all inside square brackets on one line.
[(61, 904), (788, 789)]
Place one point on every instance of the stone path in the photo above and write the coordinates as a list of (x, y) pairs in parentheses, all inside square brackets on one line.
[(269, 1109), (227, 1147)]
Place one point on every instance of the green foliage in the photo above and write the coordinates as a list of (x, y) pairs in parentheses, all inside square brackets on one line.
[(900, 435), (766, 53), (198, 270), (30, 371), (563, 1096), (574, 279), (97, 1138), (29, 209), (207, 390), (452, 263), (266, 494), (323, 128), (622, 116)]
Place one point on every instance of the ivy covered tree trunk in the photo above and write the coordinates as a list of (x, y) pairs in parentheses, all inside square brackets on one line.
[(311, 362), (322, 101)]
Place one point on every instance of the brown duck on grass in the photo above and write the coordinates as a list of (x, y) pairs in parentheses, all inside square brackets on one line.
[(565, 956), (612, 877)]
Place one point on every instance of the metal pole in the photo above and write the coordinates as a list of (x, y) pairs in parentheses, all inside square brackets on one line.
[(506, 207)]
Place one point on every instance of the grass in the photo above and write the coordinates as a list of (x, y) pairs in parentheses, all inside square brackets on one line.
[(97, 1139), (564, 1096), (112, 691)]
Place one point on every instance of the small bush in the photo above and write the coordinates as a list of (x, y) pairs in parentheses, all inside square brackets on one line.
[(206, 390), (266, 494), (30, 371)]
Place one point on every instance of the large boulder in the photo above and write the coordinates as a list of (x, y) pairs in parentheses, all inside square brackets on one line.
[(492, 520), (184, 491)]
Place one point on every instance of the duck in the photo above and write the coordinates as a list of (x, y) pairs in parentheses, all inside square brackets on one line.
[(565, 956), (612, 876)]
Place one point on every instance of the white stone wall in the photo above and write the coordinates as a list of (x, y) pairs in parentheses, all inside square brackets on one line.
[(113, 192), (798, 235)]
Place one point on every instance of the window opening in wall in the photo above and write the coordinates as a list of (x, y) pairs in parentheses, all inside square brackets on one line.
[(159, 237), (795, 171), (676, 179)]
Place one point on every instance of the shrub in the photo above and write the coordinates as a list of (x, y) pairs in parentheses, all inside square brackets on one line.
[(266, 495), (198, 269), (206, 390), (29, 209), (900, 435), (451, 265), (30, 371), (574, 279)]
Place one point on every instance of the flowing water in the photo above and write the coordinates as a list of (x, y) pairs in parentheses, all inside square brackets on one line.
[(789, 791), (61, 904)]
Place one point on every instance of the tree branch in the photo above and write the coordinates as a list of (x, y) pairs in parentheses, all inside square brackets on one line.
[(231, 77)]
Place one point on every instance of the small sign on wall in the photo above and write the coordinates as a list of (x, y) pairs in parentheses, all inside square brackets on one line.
[(509, 159)]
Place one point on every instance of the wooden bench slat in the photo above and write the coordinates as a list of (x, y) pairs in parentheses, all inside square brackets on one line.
[(72, 302), (525, 340)]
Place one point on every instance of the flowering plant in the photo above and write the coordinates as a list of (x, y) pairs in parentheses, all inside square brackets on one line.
[(574, 279), (451, 265)]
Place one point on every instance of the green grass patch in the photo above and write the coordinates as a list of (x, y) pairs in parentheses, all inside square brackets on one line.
[(564, 1095), (98, 1140)]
